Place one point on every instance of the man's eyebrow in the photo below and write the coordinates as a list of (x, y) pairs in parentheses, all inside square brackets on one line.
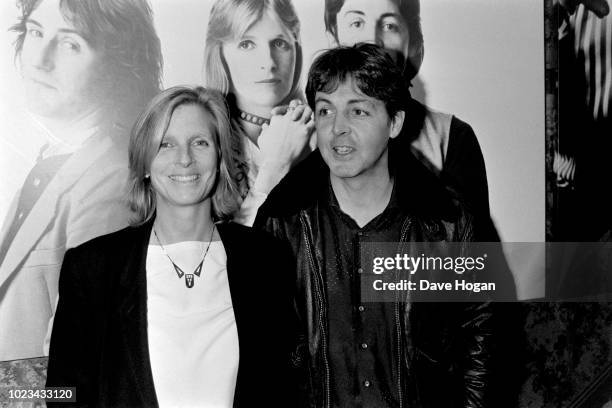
[(321, 99), (385, 15), (32, 21), (61, 30), (361, 100), (361, 13)]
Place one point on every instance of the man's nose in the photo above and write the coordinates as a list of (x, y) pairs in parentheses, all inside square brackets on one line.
[(341, 125), (45, 55), (372, 35)]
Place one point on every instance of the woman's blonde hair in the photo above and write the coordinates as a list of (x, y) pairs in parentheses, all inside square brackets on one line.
[(147, 134), (230, 19)]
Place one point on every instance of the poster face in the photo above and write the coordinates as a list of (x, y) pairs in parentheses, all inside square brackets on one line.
[(74, 83), (59, 85)]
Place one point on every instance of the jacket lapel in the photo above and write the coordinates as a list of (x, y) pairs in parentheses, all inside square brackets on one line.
[(133, 314), (235, 252), (44, 211)]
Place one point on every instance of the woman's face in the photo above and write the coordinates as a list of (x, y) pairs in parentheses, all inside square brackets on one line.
[(183, 173), (261, 65)]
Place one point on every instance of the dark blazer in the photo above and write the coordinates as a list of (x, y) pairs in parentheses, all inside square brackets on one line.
[(99, 341)]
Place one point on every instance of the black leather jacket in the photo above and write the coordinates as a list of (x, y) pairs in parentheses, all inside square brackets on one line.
[(443, 351)]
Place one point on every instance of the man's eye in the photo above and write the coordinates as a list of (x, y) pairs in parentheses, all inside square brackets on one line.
[(358, 23), (34, 32), (281, 44), (246, 45), (70, 45), (360, 112), (391, 27)]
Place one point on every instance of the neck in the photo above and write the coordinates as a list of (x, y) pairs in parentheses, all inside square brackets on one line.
[(365, 196), (60, 126), (252, 130), (177, 224)]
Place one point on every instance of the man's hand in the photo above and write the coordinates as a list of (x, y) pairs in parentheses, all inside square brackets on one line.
[(599, 7), (282, 142)]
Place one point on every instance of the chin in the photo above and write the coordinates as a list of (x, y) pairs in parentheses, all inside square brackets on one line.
[(344, 172)]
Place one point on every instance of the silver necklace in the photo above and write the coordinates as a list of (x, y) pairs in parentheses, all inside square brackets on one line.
[(197, 271)]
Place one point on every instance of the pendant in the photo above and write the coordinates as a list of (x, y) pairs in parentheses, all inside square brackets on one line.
[(188, 276), (189, 280)]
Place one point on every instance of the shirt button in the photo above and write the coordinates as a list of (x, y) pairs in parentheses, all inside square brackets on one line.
[(36, 182), (364, 346), (20, 216), (360, 270), (361, 308), (366, 384)]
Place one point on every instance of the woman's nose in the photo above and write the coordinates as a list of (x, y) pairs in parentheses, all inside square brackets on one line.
[(267, 60), (185, 156)]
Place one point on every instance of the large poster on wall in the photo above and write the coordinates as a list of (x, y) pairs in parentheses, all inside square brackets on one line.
[(75, 76)]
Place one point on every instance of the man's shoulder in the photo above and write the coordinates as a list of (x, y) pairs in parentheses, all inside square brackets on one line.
[(298, 190)]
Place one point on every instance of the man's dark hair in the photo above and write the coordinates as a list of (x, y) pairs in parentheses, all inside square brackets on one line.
[(122, 31), (410, 10), (372, 70)]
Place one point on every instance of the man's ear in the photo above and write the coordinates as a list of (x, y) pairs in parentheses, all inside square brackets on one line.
[(332, 41), (396, 124)]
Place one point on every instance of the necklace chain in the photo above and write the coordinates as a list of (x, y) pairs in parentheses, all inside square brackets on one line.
[(189, 281)]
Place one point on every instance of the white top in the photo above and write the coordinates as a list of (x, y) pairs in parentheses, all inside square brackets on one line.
[(193, 340)]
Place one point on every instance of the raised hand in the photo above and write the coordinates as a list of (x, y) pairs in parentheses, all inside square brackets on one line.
[(282, 142)]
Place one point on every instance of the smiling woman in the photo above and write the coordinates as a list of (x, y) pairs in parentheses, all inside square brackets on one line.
[(177, 279)]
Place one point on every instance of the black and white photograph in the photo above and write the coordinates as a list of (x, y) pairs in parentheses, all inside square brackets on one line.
[(197, 196)]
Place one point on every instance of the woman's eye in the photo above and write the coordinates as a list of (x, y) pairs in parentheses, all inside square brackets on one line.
[(202, 142), (360, 112), (246, 45), (281, 44), (165, 145)]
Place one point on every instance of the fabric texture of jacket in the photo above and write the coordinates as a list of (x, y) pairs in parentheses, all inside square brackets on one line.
[(99, 342), (85, 199), (444, 348)]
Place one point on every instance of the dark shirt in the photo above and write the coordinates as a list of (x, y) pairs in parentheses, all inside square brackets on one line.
[(362, 336)]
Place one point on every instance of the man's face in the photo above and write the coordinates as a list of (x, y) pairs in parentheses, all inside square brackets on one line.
[(353, 131), (377, 22), (57, 65)]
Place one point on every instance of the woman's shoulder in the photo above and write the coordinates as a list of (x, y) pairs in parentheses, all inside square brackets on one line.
[(114, 242)]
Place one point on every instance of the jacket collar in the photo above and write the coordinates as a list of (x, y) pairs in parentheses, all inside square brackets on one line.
[(419, 192)]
